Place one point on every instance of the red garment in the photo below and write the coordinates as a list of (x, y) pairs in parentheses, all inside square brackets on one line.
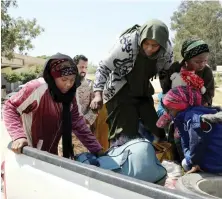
[(191, 79), (179, 98), (33, 114)]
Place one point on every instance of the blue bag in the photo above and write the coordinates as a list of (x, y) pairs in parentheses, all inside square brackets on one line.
[(135, 158)]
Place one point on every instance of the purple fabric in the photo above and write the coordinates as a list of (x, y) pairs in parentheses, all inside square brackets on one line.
[(83, 133)]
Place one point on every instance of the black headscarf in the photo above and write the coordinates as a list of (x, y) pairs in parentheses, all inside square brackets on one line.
[(193, 47), (66, 100)]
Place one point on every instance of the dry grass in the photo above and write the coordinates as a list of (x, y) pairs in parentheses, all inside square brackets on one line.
[(78, 146), (217, 98)]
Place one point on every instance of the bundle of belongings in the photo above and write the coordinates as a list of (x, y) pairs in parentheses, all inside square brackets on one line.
[(136, 158)]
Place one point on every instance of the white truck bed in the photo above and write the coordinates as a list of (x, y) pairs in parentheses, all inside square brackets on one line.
[(37, 174)]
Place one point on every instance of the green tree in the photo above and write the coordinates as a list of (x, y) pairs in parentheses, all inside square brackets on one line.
[(28, 76), (16, 33), (38, 70), (91, 68), (202, 19), (13, 77)]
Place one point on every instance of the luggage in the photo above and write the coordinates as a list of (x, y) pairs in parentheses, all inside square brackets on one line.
[(135, 158)]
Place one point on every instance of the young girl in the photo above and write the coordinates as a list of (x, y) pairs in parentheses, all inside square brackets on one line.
[(46, 109), (201, 138)]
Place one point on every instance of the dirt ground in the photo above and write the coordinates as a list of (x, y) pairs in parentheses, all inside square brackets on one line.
[(78, 146)]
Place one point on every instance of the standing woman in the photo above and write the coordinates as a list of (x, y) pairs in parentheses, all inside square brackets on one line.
[(123, 80), (46, 109)]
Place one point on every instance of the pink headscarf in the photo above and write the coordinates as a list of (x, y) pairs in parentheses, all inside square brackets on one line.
[(179, 98), (182, 97)]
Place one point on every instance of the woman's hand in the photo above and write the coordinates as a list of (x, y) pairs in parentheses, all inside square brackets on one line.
[(97, 101), (194, 169), (100, 153), (18, 144)]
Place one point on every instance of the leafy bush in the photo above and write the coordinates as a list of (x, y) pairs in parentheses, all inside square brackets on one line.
[(28, 76), (91, 68), (13, 77)]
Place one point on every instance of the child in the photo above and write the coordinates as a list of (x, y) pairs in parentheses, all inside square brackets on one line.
[(201, 138)]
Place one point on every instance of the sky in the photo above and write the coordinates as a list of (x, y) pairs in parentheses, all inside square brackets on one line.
[(88, 27)]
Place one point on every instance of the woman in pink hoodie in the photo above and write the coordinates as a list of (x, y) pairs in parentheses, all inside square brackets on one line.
[(46, 109)]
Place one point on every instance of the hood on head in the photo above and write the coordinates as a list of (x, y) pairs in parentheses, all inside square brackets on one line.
[(156, 30)]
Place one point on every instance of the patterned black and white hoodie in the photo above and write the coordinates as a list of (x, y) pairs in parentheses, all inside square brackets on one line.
[(110, 75)]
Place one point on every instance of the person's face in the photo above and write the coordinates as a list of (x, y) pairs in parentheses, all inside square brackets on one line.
[(198, 62), (65, 83), (82, 68), (150, 47)]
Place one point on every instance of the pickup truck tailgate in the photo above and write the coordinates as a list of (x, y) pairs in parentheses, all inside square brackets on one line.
[(36, 174)]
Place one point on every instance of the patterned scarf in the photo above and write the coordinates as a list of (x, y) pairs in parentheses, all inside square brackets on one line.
[(182, 97), (60, 68), (192, 48), (191, 79), (179, 98)]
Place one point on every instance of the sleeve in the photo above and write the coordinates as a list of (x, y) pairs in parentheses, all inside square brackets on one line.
[(90, 115), (209, 85), (168, 56), (164, 74), (193, 139), (114, 57), (185, 140), (22, 102), (165, 82), (83, 132)]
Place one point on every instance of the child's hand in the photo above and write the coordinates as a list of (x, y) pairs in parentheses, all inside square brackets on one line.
[(194, 169)]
